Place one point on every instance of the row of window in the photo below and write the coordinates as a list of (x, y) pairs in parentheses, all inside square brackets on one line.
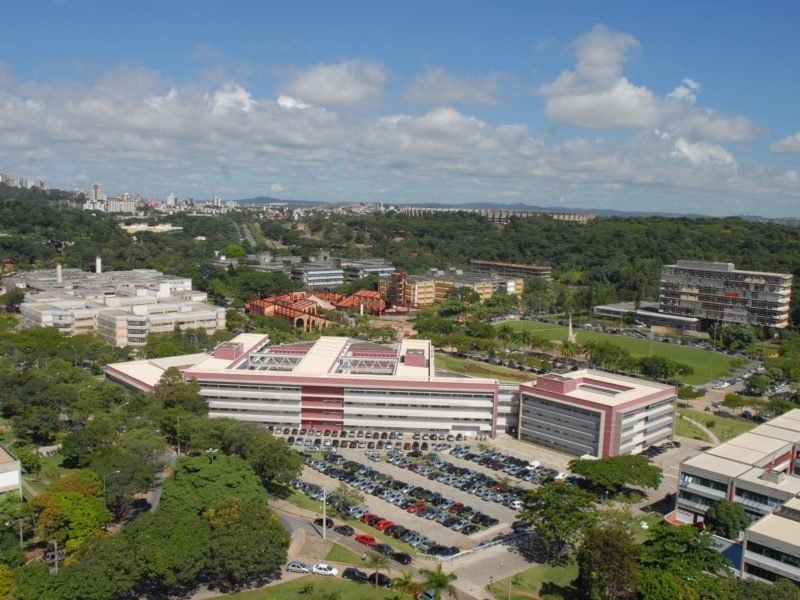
[(690, 478), (787, 559)]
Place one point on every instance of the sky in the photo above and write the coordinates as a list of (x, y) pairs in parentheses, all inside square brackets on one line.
[(685, 107)]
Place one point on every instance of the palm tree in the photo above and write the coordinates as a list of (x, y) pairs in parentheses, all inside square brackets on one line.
[(406, 585), (568, 349), (439, 581), (377, 562)]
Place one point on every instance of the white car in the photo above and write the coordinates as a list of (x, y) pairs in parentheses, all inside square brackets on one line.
[(323, 569)]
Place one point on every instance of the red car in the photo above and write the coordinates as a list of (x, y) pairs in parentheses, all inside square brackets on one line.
[(381, 525), (416, 507), (366, 539), (367, 517), (456, 507), (373, 520)]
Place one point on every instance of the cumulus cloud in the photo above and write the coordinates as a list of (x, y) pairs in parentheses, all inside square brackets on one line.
[(347, 83), (138, 130), (437, 86), (597, 95), (788, 145)]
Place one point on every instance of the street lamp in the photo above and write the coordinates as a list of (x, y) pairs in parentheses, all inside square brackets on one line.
[(105, 498), (211, 452)]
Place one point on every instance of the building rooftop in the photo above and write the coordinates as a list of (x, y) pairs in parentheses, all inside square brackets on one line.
[(144, 374), (6, 456), (783, 524), (599, 387), (717, 464), (772, 430), (721, 266), (784, 483)]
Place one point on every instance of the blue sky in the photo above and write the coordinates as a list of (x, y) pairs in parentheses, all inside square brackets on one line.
[(683, 106)]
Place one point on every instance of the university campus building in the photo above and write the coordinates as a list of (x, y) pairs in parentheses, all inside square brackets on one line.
[(717, 291), (340, 383), (759, 471), (596, 413)]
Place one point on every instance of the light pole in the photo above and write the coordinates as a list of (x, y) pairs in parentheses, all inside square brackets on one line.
[(19, 521), (211, 452), (105, 498), (324, 512)]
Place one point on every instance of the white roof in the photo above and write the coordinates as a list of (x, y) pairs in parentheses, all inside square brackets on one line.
[(148, 372), (788, 484), (321, 358), (778, 527), (716, 464), (773, 430)]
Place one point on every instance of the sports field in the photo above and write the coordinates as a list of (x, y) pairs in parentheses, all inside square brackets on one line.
[(707, 365)]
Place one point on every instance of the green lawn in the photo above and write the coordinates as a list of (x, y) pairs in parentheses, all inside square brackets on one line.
[(479, 369), (323, 587), (542, 579), (339, 553), (686, 429), (725, 428), (707, 365)]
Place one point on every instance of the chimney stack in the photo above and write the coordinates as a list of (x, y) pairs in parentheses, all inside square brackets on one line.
[(98, 265), (58, 273)]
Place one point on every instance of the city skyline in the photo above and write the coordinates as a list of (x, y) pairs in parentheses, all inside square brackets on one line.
[(595, 108)]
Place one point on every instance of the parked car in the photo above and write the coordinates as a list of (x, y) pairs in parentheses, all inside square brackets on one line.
[(328, 522), (380, 580), (325, 569), (354, 574), (344, 530), (366, 539), (402, 557), (297, 567), (384, 549)]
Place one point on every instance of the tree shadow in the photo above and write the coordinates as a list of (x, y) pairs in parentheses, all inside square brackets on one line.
[(550, 591)]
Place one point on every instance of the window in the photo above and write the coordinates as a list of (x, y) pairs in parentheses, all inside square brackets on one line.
[(788, 559)]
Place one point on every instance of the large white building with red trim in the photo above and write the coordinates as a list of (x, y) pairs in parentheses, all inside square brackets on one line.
[(339, 383), (332, 383)]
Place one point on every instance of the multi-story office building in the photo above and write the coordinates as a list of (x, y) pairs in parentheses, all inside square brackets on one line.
[(333, 383), (358, 268), (756, 470), (715, 291), (772, 545), (318, 275), (10, 474), (123, 307), (419, 291), (506, 269), (596, 413)]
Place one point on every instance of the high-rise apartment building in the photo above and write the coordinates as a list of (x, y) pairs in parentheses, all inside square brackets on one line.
[(716, 291)]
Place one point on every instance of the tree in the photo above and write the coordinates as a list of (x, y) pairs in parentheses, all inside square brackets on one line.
[(683, 551), (126, 475), (377, 562), (438, 581), (8, 583), (726, 519), (173, 392), (11, 300), (661, 367), (30, 459), (68, 517), (248, 542), (607, 563), (615, 472), (559, 513), (347, 496), (102, 569), (85, 482), (656, 584), (406, 585), (170, 550), (757, 385)]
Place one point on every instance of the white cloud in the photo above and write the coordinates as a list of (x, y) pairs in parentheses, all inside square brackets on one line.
[(346, 83), (597, 95), (437, 86), (231, 97), (289, 103), (138, 131), (788, 145), (207, 52), (702, 153), (276, 188)]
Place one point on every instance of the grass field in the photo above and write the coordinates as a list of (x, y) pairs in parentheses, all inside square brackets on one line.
[(479, 369), (724, 428), (556, 582), (322, 587), (339, 553), (686, 429), (707, 365)]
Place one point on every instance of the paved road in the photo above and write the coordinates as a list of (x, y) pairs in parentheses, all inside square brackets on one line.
[(154, 495)]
